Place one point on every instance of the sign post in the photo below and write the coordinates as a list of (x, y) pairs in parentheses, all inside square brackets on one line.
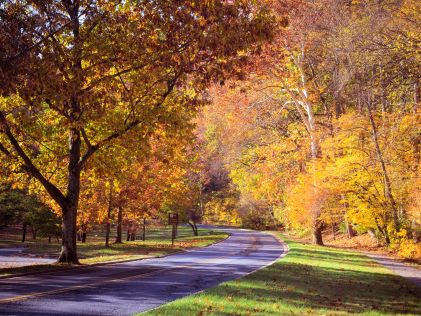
[(173, 220), (144, 230)]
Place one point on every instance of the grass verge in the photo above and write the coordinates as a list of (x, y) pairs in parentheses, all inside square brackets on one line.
[(310, 280), (95, 252)]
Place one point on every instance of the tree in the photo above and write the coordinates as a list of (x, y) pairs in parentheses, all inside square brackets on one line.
[(85, 74), (19, 207)]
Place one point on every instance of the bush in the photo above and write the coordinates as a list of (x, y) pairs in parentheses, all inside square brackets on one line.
[(259, 219), (409, 249)]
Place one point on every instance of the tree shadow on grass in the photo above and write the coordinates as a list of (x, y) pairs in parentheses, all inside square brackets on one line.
[(331, 287), (314, 279)]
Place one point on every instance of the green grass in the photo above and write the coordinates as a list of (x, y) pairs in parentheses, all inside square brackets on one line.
[(157, 244), (310, 280)]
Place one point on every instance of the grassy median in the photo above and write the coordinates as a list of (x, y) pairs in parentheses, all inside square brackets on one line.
[(310, 280), (91, 252)]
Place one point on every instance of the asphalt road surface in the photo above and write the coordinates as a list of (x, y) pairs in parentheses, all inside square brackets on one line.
[(12, 258), (130, 287)]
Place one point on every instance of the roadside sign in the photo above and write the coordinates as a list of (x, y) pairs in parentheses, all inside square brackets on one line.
[(172, 219)]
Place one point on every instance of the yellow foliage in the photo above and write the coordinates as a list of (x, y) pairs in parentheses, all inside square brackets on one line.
[(409, 249)]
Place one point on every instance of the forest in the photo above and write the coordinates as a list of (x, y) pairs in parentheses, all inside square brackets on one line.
[(295, 115)]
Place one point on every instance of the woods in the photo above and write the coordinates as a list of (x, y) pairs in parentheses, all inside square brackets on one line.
[(300, 115), (324, 135)]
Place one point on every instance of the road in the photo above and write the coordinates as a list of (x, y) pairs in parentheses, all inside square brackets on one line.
[(12, 258), (135, 286), (411, 274)]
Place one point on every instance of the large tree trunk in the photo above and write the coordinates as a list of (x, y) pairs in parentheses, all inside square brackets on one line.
[(316, 233), (304, 106), (119, 222), (349, 230), (68, 252), (317, 224), (69, 208)]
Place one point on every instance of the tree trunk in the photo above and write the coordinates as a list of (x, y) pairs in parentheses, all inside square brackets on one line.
[(83, 232), (69, 207), (348, 227), (386, 236), (49, 239), (34, 233), (387, 185), (194, 228), (317, 224), (144, 230), (350, 231), (108, 226), (68, 252), (107, 232), (333, 231), (23, 232), (129, 231), (317, 237), (119, 222), (383, 230)]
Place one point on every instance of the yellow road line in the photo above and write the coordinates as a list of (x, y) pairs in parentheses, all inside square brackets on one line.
[(93, 285)]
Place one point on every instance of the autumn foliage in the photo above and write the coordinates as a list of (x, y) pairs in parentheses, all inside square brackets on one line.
[(324, 135), (282, 113)]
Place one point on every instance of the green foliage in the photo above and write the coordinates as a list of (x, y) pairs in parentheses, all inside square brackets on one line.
[(19, 207)]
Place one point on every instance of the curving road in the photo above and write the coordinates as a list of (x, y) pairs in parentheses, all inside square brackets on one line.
[(130, 287)]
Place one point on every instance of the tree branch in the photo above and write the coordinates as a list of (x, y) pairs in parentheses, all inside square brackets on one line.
[(30, 167), (85, 138), (93, 148), (4, 150)]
